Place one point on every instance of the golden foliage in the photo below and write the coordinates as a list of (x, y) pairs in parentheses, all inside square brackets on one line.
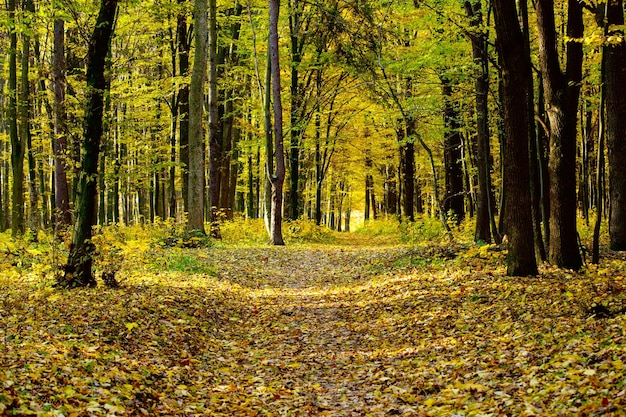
[(314, 329)]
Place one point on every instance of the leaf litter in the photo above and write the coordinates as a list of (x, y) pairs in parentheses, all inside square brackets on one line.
[(315, 330)]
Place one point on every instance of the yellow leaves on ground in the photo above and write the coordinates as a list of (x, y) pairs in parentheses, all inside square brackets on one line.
[(315, 330)]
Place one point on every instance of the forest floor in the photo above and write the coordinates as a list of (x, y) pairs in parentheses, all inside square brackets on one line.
[(348, 329)]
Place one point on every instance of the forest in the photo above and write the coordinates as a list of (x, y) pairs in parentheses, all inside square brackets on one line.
[(348, 207)]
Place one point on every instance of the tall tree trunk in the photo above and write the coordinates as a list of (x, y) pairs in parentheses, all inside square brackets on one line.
[(63, 217), (214, 134), (515, 73), (454, 202), (277, 178), (25, 109), (182, 102), (17, 145), (561, 93), (297, 38), (78, 271), (407, 169), (484, 200), (534, 149), (614, 77), (196, 111)]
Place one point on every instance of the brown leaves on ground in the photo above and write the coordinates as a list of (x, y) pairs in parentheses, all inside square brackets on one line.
[(315, 330)]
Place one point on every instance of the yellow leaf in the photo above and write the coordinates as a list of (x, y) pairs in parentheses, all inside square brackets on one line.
[(131, 326)]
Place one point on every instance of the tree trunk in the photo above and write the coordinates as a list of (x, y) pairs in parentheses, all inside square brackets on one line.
[(534, 166), (78, 271), (561, 93), (25, 109), (278, 177), (17, 145), (454, 203), (183, 104), (63, 217), (407, 169), (515, 73), (297, 102), (614, 77), (196, 110), (484, 200)]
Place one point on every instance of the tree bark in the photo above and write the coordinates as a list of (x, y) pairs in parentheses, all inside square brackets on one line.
[(63, 217), (78, 271), (515, 73), (614, 77), (183, 104), (278, 177), (25, 109), (17, 144), (454, 203), (195, 215), (297, 38), (561, 94), (485, 198)]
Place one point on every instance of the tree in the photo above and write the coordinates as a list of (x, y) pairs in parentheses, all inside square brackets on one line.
[(453, 154), (561, 91), (277, 178), (214, 139), (25, 108), (613, 78), (182, 101), (484, 201), (196, 110), (63, 216), (78, 270), (515, 72), (17, 144)]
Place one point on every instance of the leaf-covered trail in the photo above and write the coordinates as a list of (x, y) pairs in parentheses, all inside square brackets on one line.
[(342, 330)]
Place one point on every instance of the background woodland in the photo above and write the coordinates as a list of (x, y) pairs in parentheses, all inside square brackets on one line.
[(511, 116)]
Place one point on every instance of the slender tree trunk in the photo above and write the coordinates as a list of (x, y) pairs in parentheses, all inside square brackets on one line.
[(196, 111), (78, 271), (534, 169), (614, 78), (297, 38), (484, 200), (17, 145), (25, 110), (515, 73), (453, 145), (561, 93), (277, 178), (215, 151), (183, 104), (407, 166), (63, 217)]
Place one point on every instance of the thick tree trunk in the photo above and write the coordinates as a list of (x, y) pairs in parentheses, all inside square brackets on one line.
[(614, 78), (515, 73), (561, 94), (195, 215), (78, 271)]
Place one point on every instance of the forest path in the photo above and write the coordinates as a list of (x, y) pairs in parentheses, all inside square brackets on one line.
[(309, 327)]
